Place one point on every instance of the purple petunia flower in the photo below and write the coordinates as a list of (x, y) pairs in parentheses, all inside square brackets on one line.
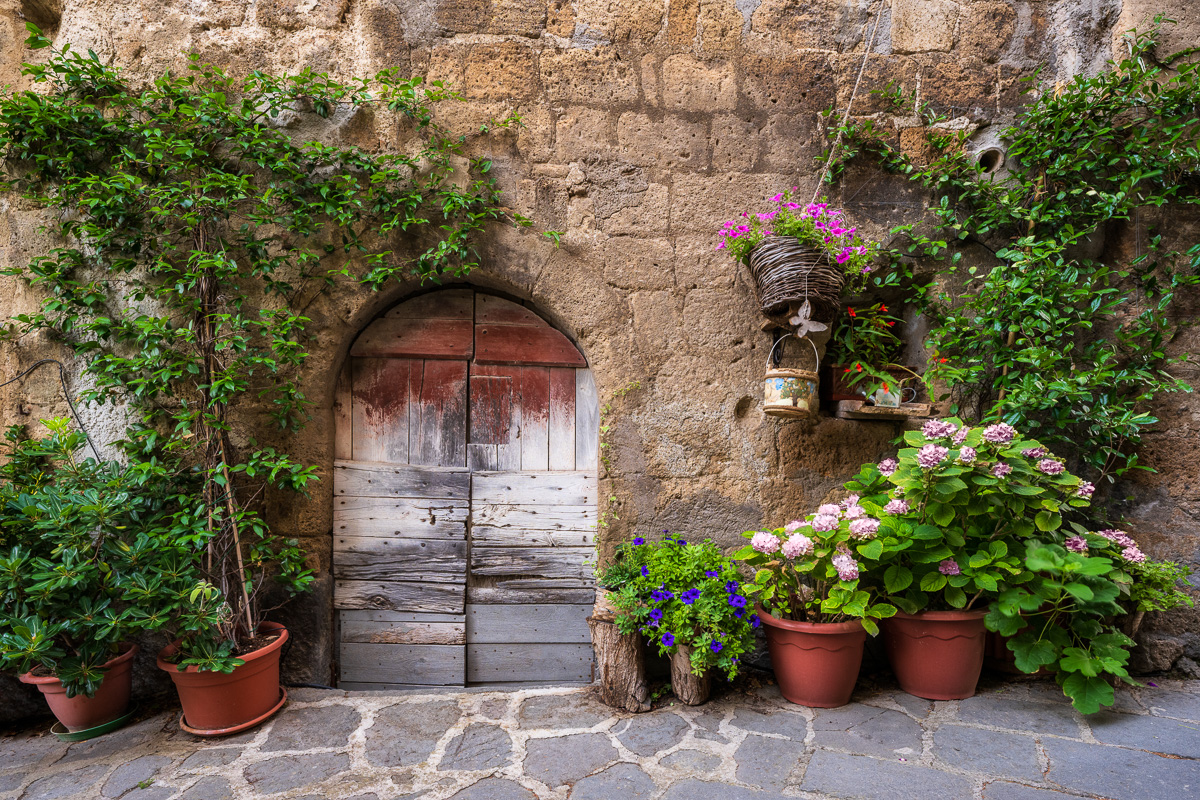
[(949, 567), (755, 622), (668, 638), (682, 542), (731, 587), (1001, 470), (737, 601), (645, 571), (639, 540), (1051, 467), (737, 612), (690, 596), (1076, 544), (661, 595), (1000, 433), (931, 455), (656, 614), (711, 573), (888, 466), (715, 646)]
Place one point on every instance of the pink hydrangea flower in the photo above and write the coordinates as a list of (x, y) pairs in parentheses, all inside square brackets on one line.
[(961, 436), (1000, 433), (1001, 470), (1086, 489), (888, 466), (1076, 544), (1035, 452), (897, 506), (846, 566), (794, 525), (1051, 467), (829, 509), (851, 500), (966, 455), (764, 542), (1133, 554), (798, 545), (854, 512), (949, 567), (864, 528), (823, 523), (938, 429), (1120, 538), (931, 455)]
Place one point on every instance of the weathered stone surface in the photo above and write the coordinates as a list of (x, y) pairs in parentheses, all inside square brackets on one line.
[(210, 757), (1159, 735), (922, 25), (1021, 715), (581, 132), (503, 70), (296, 14), (66, 783), (1182, 705), (987, 29), (689, 85), (625, 781), (768, 763), (784, 723), (1003, 790), (494, 789), (567, 759), (647, 734), (25, 750), (555, 711), (669, 143), (123, 741), (824, 24), (150, 793), (850, 776), (404, 735), (633, 263), (478, 747), (208, 788), (597, 77), (1119, 774), (306, 728), (129, 775), (867, 731), (1008, 755), (691, 762), (291, 772), (11, 780), (710, 790)]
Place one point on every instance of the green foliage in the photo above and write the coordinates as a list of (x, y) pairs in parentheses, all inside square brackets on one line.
[(1070, 347), (678, 593), (1156, 585), (195, 231), (864, 340), (90, 557)]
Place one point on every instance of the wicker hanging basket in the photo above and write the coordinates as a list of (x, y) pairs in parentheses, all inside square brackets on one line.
[(791, 393), (787, 272)]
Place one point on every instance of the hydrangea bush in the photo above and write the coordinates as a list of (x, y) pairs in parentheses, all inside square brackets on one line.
[(680, 593), (809, 569), (815, 224)]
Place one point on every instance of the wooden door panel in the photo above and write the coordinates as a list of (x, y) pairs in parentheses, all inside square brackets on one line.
[(587, 421), (493, 310), (438, 432), (525, 344), (387, 517), (374, 479), (441, 304), (561, 433), (532, 489), (416, 338), (525, 663), (402, 627), (540, 622), (439, 598), (382, 390), (396, 559), (422, 665)]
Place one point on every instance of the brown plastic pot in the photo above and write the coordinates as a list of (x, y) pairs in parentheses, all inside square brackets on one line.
[(81, 712), (218, 703), (937, 655), (816, 663)]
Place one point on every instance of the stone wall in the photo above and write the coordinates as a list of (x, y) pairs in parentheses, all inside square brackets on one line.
[(647, 124)]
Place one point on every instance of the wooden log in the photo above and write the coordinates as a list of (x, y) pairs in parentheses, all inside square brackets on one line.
[(621, 666), (691, 689)]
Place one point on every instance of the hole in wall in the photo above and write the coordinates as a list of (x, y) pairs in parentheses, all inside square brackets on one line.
[(45, 14), (991, 159), (743, 407)]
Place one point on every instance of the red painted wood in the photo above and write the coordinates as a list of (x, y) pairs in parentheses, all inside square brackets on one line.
[(492, 310), (439, 435), (522, 344), (441, 304), (416, 338), (562, 418), (379, 410), (531, 390), (491, 412)]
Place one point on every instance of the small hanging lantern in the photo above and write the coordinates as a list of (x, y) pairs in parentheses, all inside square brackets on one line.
[(788, 392)]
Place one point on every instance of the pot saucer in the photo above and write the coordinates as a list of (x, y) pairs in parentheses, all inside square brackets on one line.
[(236, 728), (64, 735)]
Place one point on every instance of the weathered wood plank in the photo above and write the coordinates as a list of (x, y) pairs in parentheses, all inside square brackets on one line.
[(534, 488), (395, 559), (531, 387), (412, 518), (533, 582), (382, 390), (499, 663), (439, 304), (439, 436), (383, 615), (567, 563), (343, 426), (415, 688), (509, 596), (373, 479), (430, 664), (493, 310), (517, 537), (534, 517), (416, 338), (525, 344), (376, 632), (548, 623), (587, 420), (491, 415), (482, 457), (445, 598), (562, 419)]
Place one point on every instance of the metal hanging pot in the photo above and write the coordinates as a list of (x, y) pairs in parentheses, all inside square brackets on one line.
[(791, 393)]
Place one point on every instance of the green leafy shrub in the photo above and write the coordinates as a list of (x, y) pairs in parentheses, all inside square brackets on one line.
[(681, 593)]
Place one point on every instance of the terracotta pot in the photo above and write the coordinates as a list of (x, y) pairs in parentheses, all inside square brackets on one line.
[(81, 712), (216, 703), (816, 663), (937, 655)]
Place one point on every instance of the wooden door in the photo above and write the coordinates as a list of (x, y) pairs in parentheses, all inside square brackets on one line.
[(465, 498)]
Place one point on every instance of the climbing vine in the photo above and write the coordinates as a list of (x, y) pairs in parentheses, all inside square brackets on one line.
[(195, 230), (1050, 336)]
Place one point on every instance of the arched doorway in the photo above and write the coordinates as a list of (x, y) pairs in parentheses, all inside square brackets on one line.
[(467, 431)]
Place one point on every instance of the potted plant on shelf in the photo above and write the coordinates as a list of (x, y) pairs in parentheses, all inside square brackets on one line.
[(862, 352), (816, 615), (798, 252), (87, 562), (686, 599)]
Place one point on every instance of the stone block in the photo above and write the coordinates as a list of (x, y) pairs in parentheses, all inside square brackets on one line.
[(868, 731), (735, 143), (565, 759), (599, 77), (306, 728), (987, 30), (671, 143), (1119, 774), (691, 762), (834, 25), (791, 143), (851, 776), (291, 772), (1003, 790), (721, 26), (688, 85), (504, 70), (798, 83), (210, 787), (619, 21), (535, 140), (494, 789), (699, 264), (768, 763), (383, 35), (581, 132), (682, 16), (701, 203), (968, 86), (560, 18), (626, 781), (1157, 734), (404, 735), (557, 712), (650, 213), (647, 734), (292, 15), (1000, 711), (517, 17), (781, 723), (633, 263), (1008, 755), (127, 776), (478, 747), (64, 784), (878, 73), (463, 16), (922, 26)]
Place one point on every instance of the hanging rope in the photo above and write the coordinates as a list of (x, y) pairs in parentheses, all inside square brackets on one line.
[(854, 93), (62, 379)]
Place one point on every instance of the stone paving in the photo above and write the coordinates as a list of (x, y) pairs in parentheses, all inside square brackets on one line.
[(1014, 741)]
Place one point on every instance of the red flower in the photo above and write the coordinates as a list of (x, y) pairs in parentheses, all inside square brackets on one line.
[(885, 388), (847, 369), (941, 361), (851, 311), (891, 324), (859, 367), (882, 307)]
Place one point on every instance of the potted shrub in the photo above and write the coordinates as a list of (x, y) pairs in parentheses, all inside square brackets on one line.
[(686, 599), (862, 351), (816, 616), (799, 252), (87, 562)]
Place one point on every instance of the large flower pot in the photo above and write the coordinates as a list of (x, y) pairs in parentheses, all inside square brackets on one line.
[(81, 712), (937, 655), (816, 663), (217, 703)]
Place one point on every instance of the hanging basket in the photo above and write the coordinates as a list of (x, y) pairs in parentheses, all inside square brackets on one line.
[(788, 272), (791, 393)]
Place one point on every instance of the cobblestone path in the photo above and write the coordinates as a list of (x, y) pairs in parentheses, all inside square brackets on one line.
[(1018, 741)]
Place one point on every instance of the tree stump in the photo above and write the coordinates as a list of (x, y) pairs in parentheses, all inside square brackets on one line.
[(691, 689), (622, 661)]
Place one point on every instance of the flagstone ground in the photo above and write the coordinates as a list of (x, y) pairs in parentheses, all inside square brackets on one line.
[(1013, 741)]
